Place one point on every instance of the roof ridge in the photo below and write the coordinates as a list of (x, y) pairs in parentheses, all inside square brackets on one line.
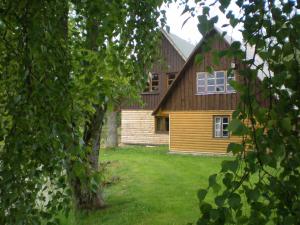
[(184, 55)]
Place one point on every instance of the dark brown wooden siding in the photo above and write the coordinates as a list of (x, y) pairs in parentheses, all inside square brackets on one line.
[(183, 96), (170, 61)]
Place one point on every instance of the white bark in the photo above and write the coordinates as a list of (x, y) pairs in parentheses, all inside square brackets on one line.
[(112, 129)]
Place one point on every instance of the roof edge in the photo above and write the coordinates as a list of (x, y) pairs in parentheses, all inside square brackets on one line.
[(173, 44), (229, 40), (179, 74)]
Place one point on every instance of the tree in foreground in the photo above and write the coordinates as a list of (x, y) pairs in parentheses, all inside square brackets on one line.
[(262, 184), (60, 63)]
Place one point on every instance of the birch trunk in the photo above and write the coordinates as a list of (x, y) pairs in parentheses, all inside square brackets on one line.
[(112, 129)]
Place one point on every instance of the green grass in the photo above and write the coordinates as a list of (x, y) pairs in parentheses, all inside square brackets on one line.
[(154, 187)]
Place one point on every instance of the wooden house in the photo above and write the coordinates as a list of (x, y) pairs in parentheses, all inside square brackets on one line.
[(193, 114), (199, 104), (138, 125)]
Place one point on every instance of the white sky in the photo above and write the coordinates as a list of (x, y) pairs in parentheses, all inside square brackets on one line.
[(190, 31)]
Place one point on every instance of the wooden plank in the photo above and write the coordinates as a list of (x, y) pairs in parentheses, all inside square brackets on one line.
[(194, 131), (137, 127)]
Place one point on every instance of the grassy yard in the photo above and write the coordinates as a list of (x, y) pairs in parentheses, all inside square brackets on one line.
[(154, 187)]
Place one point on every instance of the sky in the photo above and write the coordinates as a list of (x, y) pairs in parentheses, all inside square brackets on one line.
[(190, 31)]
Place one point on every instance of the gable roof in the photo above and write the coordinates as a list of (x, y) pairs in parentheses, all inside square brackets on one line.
[(183, 47), (249, 50)]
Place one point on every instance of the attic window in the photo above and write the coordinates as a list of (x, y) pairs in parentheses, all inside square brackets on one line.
[(171, 78), (217, 82), (153, 83)]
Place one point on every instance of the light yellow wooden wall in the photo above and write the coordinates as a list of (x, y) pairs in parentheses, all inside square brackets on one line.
[(192, 131), (138, 127)]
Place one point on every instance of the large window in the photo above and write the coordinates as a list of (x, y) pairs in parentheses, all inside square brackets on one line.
[(217, 82), (161, 124), (221, 126), (153, 83)]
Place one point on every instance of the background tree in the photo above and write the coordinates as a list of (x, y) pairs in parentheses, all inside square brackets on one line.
[(261, 186), (110, 59)]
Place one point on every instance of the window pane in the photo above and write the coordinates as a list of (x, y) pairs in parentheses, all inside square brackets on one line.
[(201, 82), (210, 81), (158, 124), (201, 89), (154, 88), (201, 75), (225, 126), (167, 123), (220, 88), (154, 76), (225, 119), (225, 133), (217, 119), (229, 78), (210, 76), (210, 88), (220, 74), (220, 81), (218, 133), (229, 88)]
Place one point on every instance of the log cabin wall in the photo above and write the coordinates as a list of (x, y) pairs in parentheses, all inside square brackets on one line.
[(194, 132), (138, 127), (184, 95)]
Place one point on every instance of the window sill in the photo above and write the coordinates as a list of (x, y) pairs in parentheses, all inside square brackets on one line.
[(162, 132), (150, 93), (221, 138), (217, 93)]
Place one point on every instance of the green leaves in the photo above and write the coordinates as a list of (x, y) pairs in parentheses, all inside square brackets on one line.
[(202, 194), (286, 124), (235, 148), (230, 165), (237, 128), (234, 201), (205, 24), (199, 59)]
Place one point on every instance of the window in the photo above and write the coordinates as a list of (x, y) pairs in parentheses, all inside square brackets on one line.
[(161, 124), (213, 83), (153, 83), (221, 126), (229, 78), (171, 78)]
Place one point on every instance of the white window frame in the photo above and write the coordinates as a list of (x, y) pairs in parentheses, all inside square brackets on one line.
[(227, 83), (219, 126), (203, 83)]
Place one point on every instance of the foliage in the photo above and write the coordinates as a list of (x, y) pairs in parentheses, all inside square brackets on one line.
[(266, 172), (53, 74), (35, 106)]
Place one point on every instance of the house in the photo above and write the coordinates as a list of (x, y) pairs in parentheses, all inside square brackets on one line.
[(198, 106), (138, 125)]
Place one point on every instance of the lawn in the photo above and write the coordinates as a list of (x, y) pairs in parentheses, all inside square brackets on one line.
[(154, 187)]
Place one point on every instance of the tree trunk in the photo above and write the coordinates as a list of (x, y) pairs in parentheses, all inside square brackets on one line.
[(86, 198), (112, 129)]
